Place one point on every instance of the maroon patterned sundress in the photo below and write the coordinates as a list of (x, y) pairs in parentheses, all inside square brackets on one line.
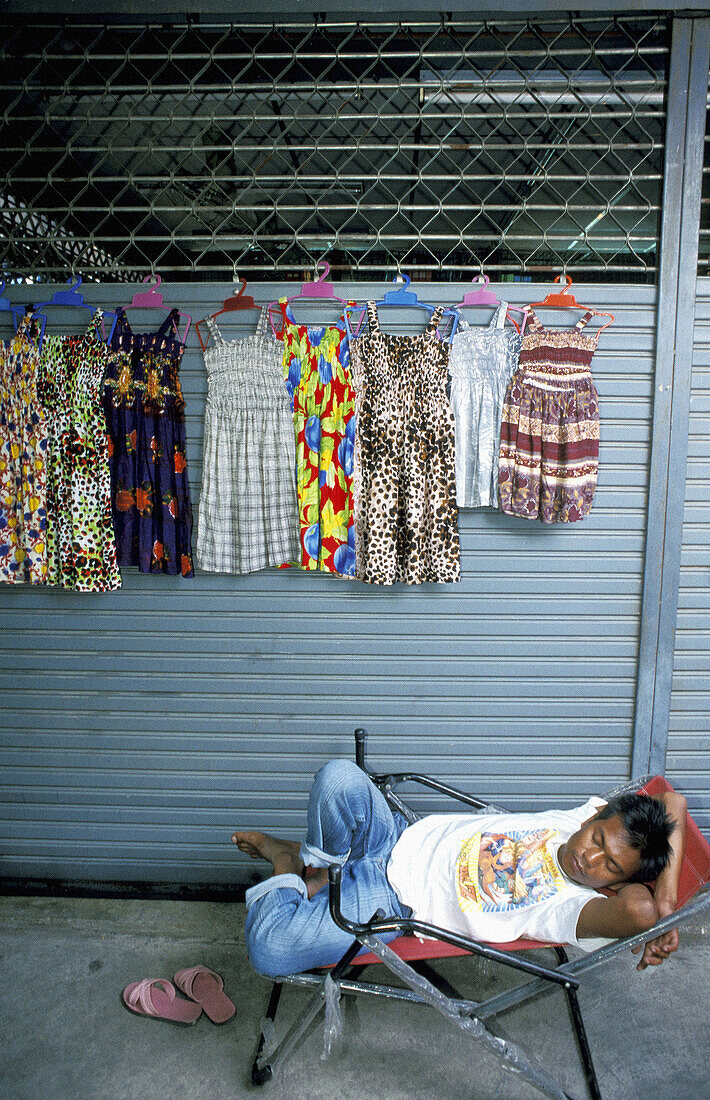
[(549, 444)]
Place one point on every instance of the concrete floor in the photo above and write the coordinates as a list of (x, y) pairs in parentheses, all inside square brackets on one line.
[(66, 1035)]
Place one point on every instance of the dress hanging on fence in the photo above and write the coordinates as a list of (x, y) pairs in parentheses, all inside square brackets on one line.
[(316, 364), (549, 449), (482, 360), (405, 496), (145, 417), (81, 549), (248, 512), (23, 460)]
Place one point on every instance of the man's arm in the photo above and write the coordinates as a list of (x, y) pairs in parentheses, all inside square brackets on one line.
[(634, 908), (665, 894)]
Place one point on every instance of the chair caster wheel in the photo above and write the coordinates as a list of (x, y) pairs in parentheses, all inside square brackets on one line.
[(259, 1076)]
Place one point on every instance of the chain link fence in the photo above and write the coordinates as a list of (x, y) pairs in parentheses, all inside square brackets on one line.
[(441, 146)]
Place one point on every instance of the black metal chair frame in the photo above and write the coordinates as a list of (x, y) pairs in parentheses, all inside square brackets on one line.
[(425, 986)]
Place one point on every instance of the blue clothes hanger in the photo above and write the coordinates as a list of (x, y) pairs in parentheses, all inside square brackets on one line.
[(407, 298), (18, 312), (73, 300)]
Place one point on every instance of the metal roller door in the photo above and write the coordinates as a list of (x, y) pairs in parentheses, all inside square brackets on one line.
[(689, 728), (141, 726)]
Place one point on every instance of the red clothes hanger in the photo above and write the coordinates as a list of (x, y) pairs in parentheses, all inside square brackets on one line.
[(152, 299), (238, 300), (564, 300), (316, 288)]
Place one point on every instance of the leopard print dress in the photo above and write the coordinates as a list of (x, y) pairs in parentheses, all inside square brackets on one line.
[(404, 492)]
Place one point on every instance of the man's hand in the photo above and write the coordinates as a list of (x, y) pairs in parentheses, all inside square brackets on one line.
[(657, 950)]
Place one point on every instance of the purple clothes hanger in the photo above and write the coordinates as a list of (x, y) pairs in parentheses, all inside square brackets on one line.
[(317, 288), (482, 296), (153, 299)]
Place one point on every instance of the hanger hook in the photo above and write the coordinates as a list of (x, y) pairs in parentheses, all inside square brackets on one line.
[(156, 284), (326, 270), (568, 284), (76, 280)]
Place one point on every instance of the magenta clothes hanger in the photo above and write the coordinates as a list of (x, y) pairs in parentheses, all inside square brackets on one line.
[(153, 299), (317, 288), (482, 296)]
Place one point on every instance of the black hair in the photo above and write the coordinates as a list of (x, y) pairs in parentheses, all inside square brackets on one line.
[(648, 828)]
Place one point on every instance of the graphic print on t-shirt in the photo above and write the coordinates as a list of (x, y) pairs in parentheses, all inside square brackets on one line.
[(496, 872)]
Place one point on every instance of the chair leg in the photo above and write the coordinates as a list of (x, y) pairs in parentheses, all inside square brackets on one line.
[(263, 1070), (261, 1074), (581, 1034)]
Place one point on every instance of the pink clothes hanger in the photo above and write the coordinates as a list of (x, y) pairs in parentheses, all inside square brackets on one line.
[(317, 288), (239, 300), (152, 299), (482, 296)]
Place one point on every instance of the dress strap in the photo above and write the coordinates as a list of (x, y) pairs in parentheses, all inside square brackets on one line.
[(170, 324), (584, 320), (262, 323), (93, 329), (214, 331), (533, 324), (28, 326), (498, 318), (372, 318), (286, 312), (434, 321)]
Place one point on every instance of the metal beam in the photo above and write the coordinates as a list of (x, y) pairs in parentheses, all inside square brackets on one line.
[(682, 187)]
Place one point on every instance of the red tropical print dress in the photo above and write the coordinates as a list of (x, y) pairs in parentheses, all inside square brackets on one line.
[(316, 361)]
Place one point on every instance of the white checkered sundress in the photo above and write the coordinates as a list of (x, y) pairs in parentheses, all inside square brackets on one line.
[(248, 511)]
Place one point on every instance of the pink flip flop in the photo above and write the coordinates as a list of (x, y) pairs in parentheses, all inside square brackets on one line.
[(205, 987), (157, 997)]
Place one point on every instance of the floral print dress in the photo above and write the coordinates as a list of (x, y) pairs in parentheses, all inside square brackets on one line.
[(81, 550), (145, 417), (23, 461), (316, 360)]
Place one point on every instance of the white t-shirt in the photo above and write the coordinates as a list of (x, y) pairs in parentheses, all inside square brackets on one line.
[(494, 877)]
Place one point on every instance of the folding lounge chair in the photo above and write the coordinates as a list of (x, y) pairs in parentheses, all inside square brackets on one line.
[(407, 957)]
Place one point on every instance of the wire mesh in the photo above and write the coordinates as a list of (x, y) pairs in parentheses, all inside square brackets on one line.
[(439, 145)]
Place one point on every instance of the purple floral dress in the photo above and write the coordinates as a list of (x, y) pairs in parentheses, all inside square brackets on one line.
[(145, 418)]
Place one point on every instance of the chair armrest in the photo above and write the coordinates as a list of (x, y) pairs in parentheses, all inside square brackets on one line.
[(379, 924)]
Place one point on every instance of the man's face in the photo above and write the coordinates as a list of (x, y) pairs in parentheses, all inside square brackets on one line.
[(599, 854)]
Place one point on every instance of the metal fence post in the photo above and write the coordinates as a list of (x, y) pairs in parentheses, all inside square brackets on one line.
[(682, 187)]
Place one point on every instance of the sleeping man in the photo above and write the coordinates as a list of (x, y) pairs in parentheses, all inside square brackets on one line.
[(496, 877)]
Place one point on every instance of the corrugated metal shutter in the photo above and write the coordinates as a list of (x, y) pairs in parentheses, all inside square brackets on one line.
[(689, 727), (142, 726)]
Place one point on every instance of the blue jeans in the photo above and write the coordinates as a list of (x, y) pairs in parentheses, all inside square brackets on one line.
[(350, 823)]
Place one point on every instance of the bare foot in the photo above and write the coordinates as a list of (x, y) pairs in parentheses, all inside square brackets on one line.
[(281, 854)]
